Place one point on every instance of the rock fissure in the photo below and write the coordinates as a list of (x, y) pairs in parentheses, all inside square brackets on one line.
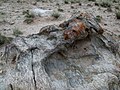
[(33, 72), (11, 87)]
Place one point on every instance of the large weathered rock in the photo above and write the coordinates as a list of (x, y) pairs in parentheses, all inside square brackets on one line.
[(46, 61)]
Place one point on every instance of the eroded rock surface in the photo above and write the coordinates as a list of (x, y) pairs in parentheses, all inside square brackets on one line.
[(46, 61)]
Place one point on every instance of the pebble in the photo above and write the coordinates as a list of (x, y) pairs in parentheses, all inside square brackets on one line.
[(1, 71), (34, 3), (11, 23), (80, 4)]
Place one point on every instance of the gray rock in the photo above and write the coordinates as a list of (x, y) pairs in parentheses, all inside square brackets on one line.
[(44, 62)]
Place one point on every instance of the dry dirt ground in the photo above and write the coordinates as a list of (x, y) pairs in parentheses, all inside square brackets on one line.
[(11, 15)]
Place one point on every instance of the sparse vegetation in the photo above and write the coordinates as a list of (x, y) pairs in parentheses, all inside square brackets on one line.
[(25, 12), (4, 39), (4, 1), (109, 9), (66, 1), (105, 4), (60, 10), (118, 14), (71, 1), (117, 7), (2, 14), (92, 0), (38, 0), (56, 15), (119, 36), (29, 18), (28, 15), (75, 1), (20, 1), (98, 18), (96, 4), (17, 32), (115, 1)]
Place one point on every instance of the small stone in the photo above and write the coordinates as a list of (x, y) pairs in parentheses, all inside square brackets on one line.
[(17, 11), (57, 4), (6, 29), (60, 10), (89, 5), (1, 71), (96, 4), (72, 7), (11, 23), (68, 11), (80, 4), (34, 3), (109, 9), (105, 24)]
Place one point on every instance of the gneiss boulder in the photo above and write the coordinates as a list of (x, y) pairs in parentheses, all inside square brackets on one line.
[(49, 61)]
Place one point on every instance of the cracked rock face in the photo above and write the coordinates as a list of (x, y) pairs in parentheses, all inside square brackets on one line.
[(48, 62)]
